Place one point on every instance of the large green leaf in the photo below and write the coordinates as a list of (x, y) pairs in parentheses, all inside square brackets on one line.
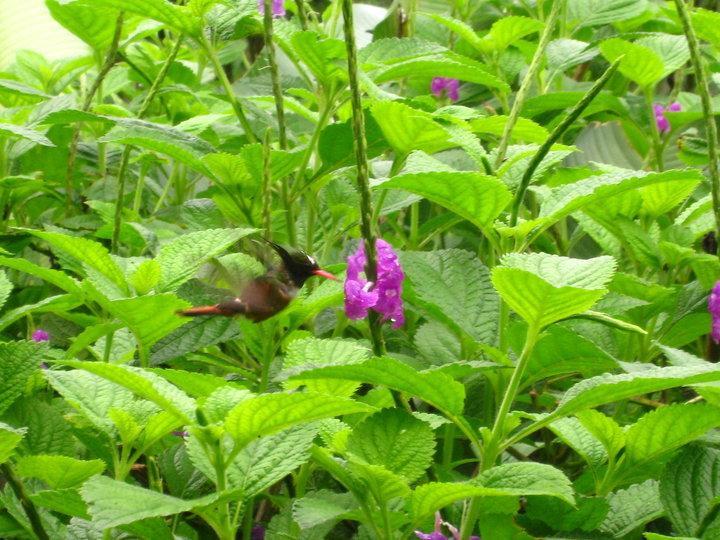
[(87, 252), (18, 361), (164, 11), (437, 389), (454, 287), (396, 440), (184, 147), (672, 50), (689, 489), (150, 318), (23, 132), (94, 25), (707, 25), (572, 432), (10, 437), (408, 129), (544, 288), (598, 12), (270, 413), (6, 288), (55, 277), (479, 198), (506, 31), (639, 63), (59, 472), (631, 508), (144, 384), (181, 258), (510, 479), (320, 54), (112, 502)]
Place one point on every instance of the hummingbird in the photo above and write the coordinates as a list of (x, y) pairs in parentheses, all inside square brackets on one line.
[(270, 293)]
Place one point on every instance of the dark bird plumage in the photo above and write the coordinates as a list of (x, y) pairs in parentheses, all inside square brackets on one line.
[(270, 293)]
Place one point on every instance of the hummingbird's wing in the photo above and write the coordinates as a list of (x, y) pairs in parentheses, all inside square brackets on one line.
[(265, 296)]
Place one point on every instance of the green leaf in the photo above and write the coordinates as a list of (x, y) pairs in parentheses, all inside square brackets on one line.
[(112, 502), (320, 54), (396, 440), (707, 25), (659, 199), (377, 481), (437, 389), (181, 258), (59, 472), (161, 10), (12, 130), (150, 318), (17, 88), (599, 12), (524, 129), (167, 140), (464, 30), (607, 388), (64, 501), (47, 430), (18, 361), (604, 429), (640, 64), (667, 428), (145, 384), (6, 288), (588, 514), (320, 507), (196, 384), (408, 129), (95, 26), (672, 50), (572, 432), (479, 198), (562, 54), (631, 508), (690, 487), (10, 437), (146, 277), (544, 288), (89, 253), (194, 335), (454, 287), (54, 277), (269, 413), (508, 30), (93, 396)]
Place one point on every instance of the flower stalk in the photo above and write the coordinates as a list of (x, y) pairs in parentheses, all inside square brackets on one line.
[(709, 118), (363, 177), (27, 504), (527, 81)]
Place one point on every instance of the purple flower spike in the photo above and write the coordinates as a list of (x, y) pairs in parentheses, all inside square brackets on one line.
[(714, 309), (40, 335), (258, 532), (384, 296), (663, 124), (445, 86), (278, 7)]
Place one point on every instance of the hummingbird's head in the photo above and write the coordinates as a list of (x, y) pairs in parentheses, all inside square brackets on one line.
[(299, 265)]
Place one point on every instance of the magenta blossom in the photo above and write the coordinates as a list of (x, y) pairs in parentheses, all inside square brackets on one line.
[(278, 7), (714, 309), (445, 86), (40, 335), (384, 296), (663, 124), (437, 533), (258, 532)]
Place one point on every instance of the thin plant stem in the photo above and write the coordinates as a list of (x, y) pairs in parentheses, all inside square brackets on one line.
[(302, 15), (527, 81), (654, 130), (704, 90), (266, 188), (125, 159), (280, 111), (229, 92), (27, 504), (109, 62), (363, 177), (563, 126)]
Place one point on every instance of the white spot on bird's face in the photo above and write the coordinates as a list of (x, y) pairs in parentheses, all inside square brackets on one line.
[(312, 261)]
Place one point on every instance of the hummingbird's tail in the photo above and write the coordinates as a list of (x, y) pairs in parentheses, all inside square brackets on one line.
[(204, 310)]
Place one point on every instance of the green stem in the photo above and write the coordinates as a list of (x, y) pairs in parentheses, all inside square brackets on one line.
[(27, 504), (527, 81), (110, 60), (229, 92), (703, 89), (325, 114), (654, 131), (266, 188), (363, 180), (125, 159), (563, 126), (302, 15)]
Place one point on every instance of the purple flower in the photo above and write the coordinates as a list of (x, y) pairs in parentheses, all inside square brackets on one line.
[(714, 309), (40, 335), (258, 532), (663, 124), (384, 296), (438, 535), (278, 7), (445, 85)]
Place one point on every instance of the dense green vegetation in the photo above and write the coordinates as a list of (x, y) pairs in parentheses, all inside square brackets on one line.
[(520, 200)]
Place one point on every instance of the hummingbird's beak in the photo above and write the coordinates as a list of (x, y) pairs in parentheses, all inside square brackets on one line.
[(323, 273)]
